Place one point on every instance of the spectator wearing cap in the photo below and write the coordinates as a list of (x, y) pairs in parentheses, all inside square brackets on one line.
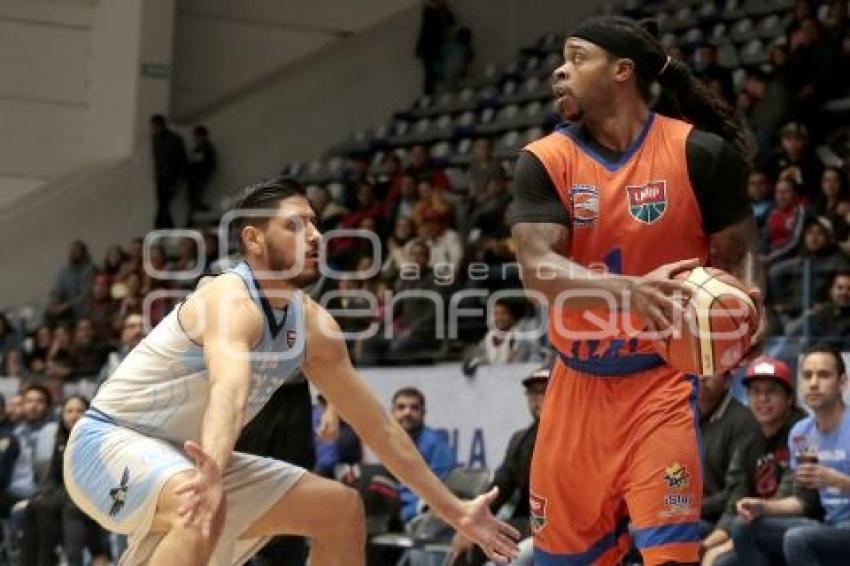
[(797, 160), (762, 462), (513, 476), (785, 530), (819, 254), (724, 423)]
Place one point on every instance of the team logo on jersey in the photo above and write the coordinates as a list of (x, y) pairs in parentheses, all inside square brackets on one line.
[(648, 202), (290, 338), (677, 476), (537, 505), (119, 494), (584, 202)]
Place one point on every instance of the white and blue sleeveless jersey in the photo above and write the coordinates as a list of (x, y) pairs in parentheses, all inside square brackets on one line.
[(161, 388)]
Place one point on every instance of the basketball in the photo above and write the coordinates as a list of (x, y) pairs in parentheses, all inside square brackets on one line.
[(720, 322)]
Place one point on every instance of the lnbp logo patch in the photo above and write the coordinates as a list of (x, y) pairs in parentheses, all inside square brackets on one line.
[(648, 202)]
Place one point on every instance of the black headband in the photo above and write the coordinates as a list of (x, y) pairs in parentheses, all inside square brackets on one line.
[(612, 34)]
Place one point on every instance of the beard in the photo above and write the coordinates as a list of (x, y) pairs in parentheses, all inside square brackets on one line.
[(569, 109), (280, 264)]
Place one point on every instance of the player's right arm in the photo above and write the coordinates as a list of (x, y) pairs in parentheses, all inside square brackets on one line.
[(327, 365), (541, 233)]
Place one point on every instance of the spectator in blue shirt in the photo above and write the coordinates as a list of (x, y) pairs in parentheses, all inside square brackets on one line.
[(408, 408)]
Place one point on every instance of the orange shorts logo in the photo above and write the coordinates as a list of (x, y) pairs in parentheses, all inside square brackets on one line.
[(537, 505), (677, 476)]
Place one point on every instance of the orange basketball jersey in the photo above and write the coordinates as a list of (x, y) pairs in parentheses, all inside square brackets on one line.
[(627, 217)]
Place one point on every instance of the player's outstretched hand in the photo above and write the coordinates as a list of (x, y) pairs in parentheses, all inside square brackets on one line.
[(658, 298), (203, 491), (496, 538)]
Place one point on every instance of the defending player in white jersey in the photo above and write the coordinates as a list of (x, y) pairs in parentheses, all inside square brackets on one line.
[(153, 458)]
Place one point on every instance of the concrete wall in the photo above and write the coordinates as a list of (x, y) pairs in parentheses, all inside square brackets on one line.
[(44, 49), (222, 46)]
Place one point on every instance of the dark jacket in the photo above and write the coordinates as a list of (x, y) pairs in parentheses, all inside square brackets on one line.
[(722, 434), (513, 477), (759, 468)]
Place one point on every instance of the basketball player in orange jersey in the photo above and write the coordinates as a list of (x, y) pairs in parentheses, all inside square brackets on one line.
[(646, 196)]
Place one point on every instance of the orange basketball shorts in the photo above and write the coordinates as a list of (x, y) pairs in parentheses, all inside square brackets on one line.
[(617, 459)]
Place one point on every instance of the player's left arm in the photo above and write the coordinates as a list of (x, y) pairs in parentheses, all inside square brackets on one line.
[(719, 174)]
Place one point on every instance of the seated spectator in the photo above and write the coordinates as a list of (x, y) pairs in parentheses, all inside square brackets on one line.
[(10, 450), (413, 332), (513, 476), (444, 243), (834, 205), (785, 223), (835, 25), (102, 310), (483, 169), (705, 67), (132, 332), (13, 412), (423, 169), (37, 436), (828, 322), (488, 212), (346, 448), (328, 211), (786, 530), (186, 260), (402, 233), (769, 104), (724, 424), (112, 261), (72, 291), (87, 353), (760, 465), (810, 66), (366, 215), (59, 372), (795, 157), (785, 278), (130, 295), (51, 516), (760, 191), (431, 206), (36, 356), (10, 338), (404, 206), (211, 251), (408, 409), (501, 344)]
